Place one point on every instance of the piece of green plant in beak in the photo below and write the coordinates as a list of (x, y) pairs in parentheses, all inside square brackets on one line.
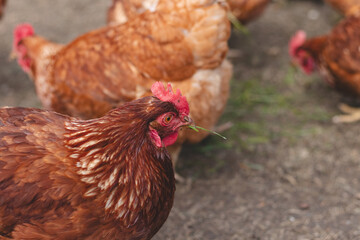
[(196, 129)]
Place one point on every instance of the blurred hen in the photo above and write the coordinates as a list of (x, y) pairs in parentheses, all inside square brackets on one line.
[(2, 7), (182, 42), (123, 10), (346, 7), (337, 57), (247, 10)]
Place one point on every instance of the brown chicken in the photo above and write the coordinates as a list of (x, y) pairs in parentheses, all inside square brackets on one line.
[(247, 10), (336, 56), (184, 44), (124, 10), (106, 178), (2, 7), (346, 7)]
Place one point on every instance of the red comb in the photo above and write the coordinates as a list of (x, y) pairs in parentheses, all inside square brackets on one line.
[(22, 31), (297, 40), (168, 95)]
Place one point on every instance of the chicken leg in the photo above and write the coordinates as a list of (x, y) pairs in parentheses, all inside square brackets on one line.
[(351, 114)]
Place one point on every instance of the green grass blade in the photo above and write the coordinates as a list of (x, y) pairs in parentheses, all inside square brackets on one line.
[(196, 128), (237, 24)]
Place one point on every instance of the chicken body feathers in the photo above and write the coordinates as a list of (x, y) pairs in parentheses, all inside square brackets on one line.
[(62, 178)]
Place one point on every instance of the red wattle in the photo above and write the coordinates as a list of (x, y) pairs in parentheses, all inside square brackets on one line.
[(171, 139)]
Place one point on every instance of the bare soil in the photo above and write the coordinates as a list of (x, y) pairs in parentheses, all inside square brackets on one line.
[(286, 172)]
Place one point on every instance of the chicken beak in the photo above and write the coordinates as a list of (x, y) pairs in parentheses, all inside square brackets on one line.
[(188, 121), (12, 55)]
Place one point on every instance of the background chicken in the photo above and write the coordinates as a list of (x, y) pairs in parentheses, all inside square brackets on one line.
[(336, 56), (184, 44), (106, 178), (247, 10), (2, 7), (345, 7), (123, 10)]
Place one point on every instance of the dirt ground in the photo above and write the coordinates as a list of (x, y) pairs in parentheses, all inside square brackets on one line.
[(286, 172)]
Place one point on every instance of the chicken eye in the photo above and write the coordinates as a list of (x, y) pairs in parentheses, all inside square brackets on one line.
[(167, 119)]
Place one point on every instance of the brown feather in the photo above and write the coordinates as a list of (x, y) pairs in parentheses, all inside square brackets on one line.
[(315, 46), (2, 7)]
